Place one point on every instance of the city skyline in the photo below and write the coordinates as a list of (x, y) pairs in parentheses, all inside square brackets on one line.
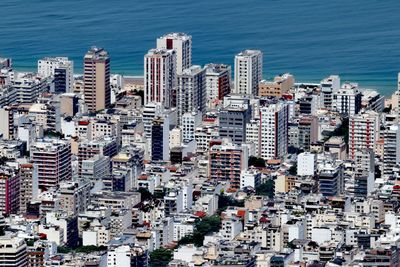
[(259, 134)]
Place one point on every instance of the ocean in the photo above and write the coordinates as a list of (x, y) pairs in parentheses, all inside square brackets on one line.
[(358, 40)]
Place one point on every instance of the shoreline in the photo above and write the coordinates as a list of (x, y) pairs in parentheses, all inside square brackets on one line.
[(386, 87)]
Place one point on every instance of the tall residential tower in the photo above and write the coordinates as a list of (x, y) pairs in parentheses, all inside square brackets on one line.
[(182, 44), (191, 91), (248, 72), (160, 77), (97, 90), (61, 69)]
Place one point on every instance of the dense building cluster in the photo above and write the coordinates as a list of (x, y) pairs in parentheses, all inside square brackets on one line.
[(194, 165)]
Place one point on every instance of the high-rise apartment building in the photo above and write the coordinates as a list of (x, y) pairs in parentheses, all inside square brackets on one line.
[(306, 164), (191, 91), (364, 167), (150, 111), (69, 104), (226, 162), (13, 252), (87, 150), (248, 72), (29, 185), (7, 123), (8, 95), (182, 44), (363, 132), (61, 69), (9, 190), (233, 120), (347, 100), (391, 150), (97, 89), (190, 121), (29, 87), (253, 135), (273, 129), (160, 139), (53, 160), (95, 168), (329, 86), (125, 255), (308, 131), (74, 196), (218, 82), (308, 105), (336, 146), (160, 77), (330, 180), (204, 135)]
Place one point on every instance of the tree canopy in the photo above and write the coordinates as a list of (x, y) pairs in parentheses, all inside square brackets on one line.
[(203, 227), (160, 257), (266, 189), (256, 162), (225, 201)]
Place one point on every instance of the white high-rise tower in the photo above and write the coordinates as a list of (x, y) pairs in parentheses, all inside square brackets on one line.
[(182, 44), (61, 69), (248, 72), (159, 76)]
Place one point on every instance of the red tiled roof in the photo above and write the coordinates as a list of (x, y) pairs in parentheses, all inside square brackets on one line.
[(83, 122), (200, 214), (241, 213)]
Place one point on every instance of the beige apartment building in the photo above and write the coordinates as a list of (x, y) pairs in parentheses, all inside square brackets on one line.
[(97, 90), (276, 88)]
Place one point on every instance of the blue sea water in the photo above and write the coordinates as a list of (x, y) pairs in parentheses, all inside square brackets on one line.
[(357, 39)]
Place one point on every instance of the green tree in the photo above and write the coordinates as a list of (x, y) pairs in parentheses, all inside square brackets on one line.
[(203, 227), (144, 194), (266, 189), (160, 257), (256, 162), (387, 109), (159, 193), (53, 134), (225, 201), (89, 249), (343, 130), (30, 242), (63, 250), (293, 169), (3, 160)]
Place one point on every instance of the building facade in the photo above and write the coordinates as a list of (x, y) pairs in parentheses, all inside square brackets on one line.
[(248, 72), (273, 130), (160, 77), (13, 252), (182, 44), (61, 69), (363, 132), (226, 162), (218, 82), (191, 91), (53, 160), (97, 89), (233, 121), (391, 151), (276, 88), (159, 139)]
